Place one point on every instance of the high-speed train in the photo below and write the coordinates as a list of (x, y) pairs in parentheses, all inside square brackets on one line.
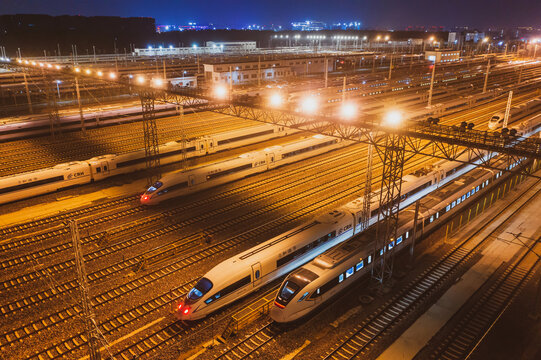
[(311, 285), (240, 275), (193, 180), (516, 112), (25, 185)]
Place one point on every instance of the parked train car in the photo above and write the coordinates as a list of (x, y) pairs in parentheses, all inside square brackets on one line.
[(193, 180), (248, 271), (516, 112), (101, 167), (310, 286)]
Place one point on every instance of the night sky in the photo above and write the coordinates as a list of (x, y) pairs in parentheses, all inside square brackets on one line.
[(372, 13)]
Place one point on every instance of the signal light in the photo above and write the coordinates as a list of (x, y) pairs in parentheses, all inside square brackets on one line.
[(145, 197), (186, 310), (179, 306)]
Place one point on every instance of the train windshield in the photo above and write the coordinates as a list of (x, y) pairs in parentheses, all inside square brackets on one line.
[(155, 186), (201, 288), (288, 290)]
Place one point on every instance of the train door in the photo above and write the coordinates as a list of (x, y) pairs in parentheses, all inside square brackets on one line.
[(256, 274), (105, 167), (270, 160), (201, 147)]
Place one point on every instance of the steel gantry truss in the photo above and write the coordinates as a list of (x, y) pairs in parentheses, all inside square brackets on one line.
[(391, 143)]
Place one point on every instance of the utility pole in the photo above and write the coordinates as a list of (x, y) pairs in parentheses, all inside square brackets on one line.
[(164, 72), (431, 85), (507, 109), (83, 129), (520, 73), (230, 82), (88, 313), (486, 77)]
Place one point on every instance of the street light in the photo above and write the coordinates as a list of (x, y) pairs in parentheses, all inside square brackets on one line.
[(348, 110), (309, 105), (113, 75), (276, 100), (140, 79), (393, 118), (157, 82), (220, 92)]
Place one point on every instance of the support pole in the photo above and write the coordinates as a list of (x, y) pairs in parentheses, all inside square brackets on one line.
[(88, 313), (28, 99), (344, 91), (259, 70), (486, 77), (183, 138), (431, 85), (82, 118), (414, 233), (367, 201), (507, 109), (326, 72), (390, 67)]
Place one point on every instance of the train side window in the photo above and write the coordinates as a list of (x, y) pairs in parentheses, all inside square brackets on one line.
[(350, 272), (369, 259), (303, 296), (201, 146), (463, 197), (257, 274), (341, 278), (398, 240), (359, 266), (98, 170), (447, 208), (477, 188), (407, 234), (105, 168)]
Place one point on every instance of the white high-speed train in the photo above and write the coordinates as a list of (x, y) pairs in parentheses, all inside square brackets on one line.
[(516, 112), (253, 268), (193, 180), (25, 185), (311, 285)]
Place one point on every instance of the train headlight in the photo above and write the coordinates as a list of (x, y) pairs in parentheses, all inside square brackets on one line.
[(145, 197)]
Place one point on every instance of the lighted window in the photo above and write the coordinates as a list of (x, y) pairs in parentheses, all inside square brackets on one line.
[(359, 266), (350, 272), (399, 240), (341, 278)]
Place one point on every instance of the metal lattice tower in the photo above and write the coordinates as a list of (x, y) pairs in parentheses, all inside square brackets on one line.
[(389, 202), (150, 132), (367, 190), (183, 139), (88, 313)]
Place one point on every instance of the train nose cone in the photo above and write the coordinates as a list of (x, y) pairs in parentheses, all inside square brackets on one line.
[(277, 314)]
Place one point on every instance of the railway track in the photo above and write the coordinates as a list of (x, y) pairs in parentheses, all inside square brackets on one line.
[(25, 155), (251, 345), (164, 335), (420, 291), (462, 341)]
